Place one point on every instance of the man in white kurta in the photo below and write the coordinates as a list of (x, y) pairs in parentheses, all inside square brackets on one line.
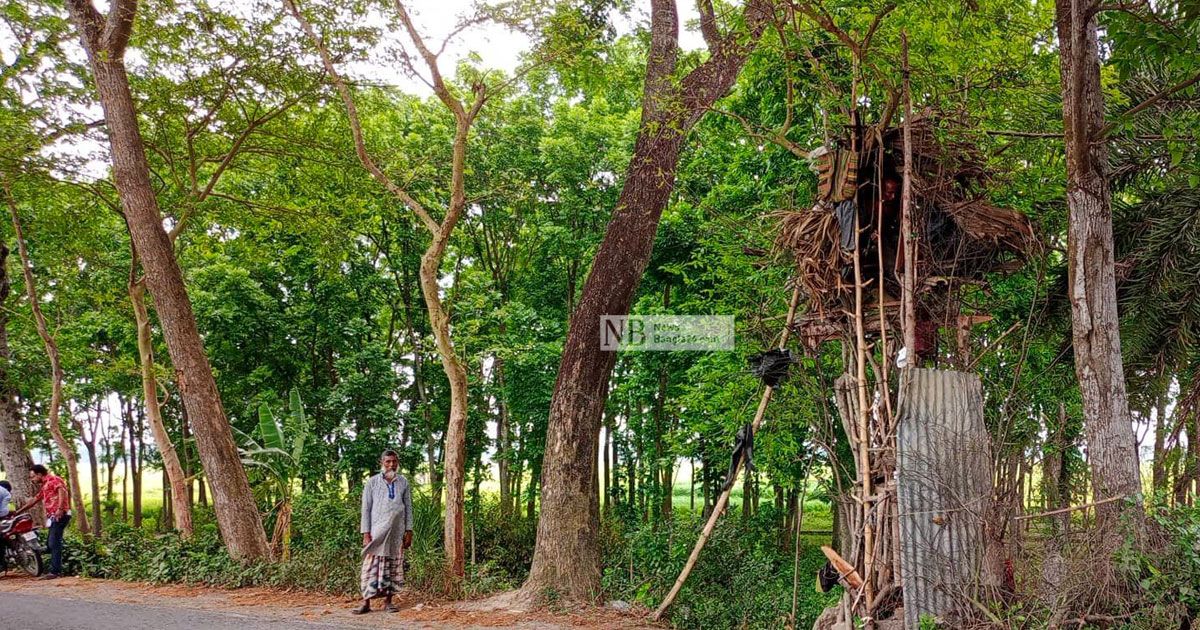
[(387, 531)]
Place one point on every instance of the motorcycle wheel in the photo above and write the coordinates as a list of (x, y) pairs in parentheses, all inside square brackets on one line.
[(29, 560)]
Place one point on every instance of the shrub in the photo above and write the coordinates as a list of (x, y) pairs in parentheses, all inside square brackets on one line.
[(743, 577)]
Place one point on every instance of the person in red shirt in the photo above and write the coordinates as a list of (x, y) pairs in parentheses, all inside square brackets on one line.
[(54, 496)]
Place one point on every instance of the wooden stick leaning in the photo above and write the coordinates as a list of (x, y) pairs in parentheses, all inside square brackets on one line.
[(1070, 509), (719, 508)]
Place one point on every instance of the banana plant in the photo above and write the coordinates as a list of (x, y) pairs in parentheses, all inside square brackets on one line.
[(277, 454)]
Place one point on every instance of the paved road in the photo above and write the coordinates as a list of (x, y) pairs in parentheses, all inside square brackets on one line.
[(20, 611)]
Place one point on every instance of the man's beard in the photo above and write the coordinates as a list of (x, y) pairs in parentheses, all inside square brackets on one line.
[(389, 474)]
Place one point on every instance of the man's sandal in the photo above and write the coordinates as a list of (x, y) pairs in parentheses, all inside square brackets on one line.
[(362, 610), (392, 608)]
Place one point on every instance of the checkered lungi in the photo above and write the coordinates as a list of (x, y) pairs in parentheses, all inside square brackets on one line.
[(381, 576)]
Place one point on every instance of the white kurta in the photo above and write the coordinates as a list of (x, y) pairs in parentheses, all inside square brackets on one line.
[(386, 515)]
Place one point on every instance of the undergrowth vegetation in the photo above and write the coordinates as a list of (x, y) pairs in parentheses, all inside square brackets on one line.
[(744, 578)]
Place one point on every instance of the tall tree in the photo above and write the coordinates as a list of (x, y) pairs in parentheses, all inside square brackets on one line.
[(56, 370), (182, 514), (464, 111), (567, 554), (1112, 449), (104, 39), (14, 453)]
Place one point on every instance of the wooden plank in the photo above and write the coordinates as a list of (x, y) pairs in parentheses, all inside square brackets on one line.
[(844, 569)]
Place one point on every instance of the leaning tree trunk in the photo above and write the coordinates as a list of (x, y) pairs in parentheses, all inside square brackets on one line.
[(566, 557), (104, 39), (175, 476), (56, 391), (1112, 449), (14, 452)]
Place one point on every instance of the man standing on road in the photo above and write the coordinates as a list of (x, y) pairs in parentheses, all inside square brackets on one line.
[(53, 493), (387, 531)]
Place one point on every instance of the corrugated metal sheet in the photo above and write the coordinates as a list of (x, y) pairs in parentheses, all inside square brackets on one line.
[(944, 461)]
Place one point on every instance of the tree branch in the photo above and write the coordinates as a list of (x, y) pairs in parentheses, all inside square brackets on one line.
[(774, 138), (866, 42), (721, 68), (118, 27), (356, 131), (439, 84), (1148, 103), (89, 20), (708, 25), (822, 18), (661, 59)]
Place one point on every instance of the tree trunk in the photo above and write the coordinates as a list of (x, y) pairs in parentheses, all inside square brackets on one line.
[(110, 465), (14, 452), (606, 473), (567, 554), (615, 473), (1159, 469), (175, 477), (640, 486), (94, 465), (124, 460), (56, 392), (705, 490), (1056, 487), (1095, 331), (518, 475), (185, 435), (531, 496), (168, 504), (747, 493), (135, 465), (104, 40), (502, 437), (663, 464)]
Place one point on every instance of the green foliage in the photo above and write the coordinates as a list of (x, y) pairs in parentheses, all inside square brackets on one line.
[(1166, 571), (743, 578), (303, 271)]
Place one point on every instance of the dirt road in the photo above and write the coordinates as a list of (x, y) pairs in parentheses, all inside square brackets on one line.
[(78, 603)]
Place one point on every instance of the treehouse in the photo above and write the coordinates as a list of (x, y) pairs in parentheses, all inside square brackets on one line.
[(960, 236), (919, 523)]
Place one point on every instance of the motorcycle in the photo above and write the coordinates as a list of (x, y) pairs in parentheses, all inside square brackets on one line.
[(22, 549)]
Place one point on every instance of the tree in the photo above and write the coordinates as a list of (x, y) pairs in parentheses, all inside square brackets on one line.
[(465, 111), (104, 39), (1096, 337), (182, 514), (14, 453), (56, 371), (567, 555)]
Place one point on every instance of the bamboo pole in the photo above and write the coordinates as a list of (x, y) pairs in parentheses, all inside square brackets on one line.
[(723, 500), (864, 432), (906, 223)]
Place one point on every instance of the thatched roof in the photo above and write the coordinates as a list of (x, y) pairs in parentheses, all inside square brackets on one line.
[(963, 235)]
